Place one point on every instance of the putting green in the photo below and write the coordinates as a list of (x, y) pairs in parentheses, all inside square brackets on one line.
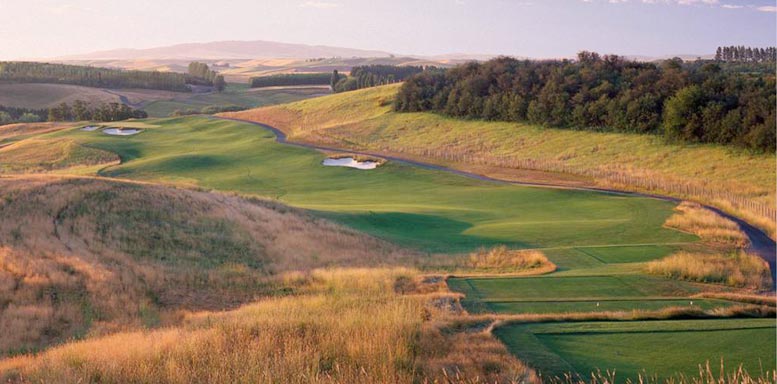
[(430, 210), (662, 348)]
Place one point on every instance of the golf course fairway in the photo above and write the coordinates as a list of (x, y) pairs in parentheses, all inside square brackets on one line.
[(429, 210)]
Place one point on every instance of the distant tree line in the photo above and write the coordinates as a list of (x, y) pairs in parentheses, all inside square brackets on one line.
[(31, 72), (81, 111), (209, 110), (365, 76), (201, 74), (746, 54), (289, 79), (699, 103), (10, 115)]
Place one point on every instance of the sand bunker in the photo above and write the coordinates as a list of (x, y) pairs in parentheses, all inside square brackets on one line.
[(121, 132), (90, 128), (351, 163)]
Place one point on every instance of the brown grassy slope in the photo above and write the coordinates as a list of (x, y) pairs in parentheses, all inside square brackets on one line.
[(346, 326), (741, 183), (16, 131), (89, 256), (42, 155)]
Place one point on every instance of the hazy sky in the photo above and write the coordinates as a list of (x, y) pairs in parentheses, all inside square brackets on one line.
[(535, 28)]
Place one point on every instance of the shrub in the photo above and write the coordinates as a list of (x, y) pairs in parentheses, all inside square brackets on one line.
[(739, 269)]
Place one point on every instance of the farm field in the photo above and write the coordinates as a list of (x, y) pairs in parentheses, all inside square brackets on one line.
[(632, 346), (155, 103), (428, 210), (35, 95), (235, 94), (364, 120)]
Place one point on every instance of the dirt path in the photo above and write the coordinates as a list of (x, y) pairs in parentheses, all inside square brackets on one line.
[(760, 243)]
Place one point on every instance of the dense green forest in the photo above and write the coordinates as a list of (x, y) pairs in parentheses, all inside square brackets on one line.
[(208, 110), (10, 115), (365, 76), (201, 74), (701, 102), (289, 79), (82, 111), (29, 72)]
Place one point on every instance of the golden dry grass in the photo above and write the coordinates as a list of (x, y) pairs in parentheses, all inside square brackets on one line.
[(85, 257), (502, 259), (346, 326), (43, 155), (693, 218), (10, 131), (738, 269)]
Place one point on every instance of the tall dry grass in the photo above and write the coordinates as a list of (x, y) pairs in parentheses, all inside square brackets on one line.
[(86, 257), (502, 259), (349, 326), (738, 269), (693, 218)]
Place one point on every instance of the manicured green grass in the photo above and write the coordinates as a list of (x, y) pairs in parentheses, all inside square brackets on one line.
[(612, 290), (430, 210), (587, 257), (557, 306), (566, 288), (235, 94), (661, 348)]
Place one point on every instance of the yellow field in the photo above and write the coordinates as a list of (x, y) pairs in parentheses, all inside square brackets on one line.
[(733, 180)]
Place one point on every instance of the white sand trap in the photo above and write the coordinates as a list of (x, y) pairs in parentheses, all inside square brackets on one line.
[(351, 163), (121, 132), (90, 128)]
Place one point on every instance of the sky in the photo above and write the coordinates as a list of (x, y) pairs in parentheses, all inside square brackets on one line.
[(529, 28)]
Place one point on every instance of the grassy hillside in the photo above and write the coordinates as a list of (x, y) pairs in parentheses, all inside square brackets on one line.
[(15, 132), (429, 210), (36, 155), (736, 181), (85, 256), (28, 95)]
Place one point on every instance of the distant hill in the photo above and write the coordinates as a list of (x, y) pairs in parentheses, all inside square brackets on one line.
[(224, 50)]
